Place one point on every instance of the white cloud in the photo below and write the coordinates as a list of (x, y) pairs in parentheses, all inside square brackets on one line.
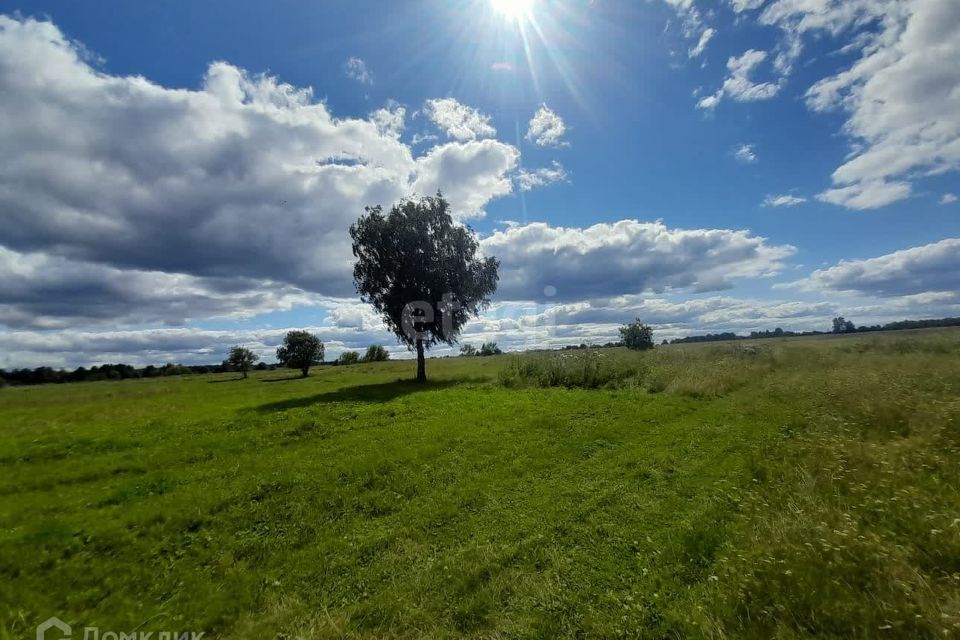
[(625, 257), (356, 69), (185, 345), (785, 200), (546, 128), (52, 292), (689, 16), (469, 173), (238, 193), (738, 85), (948, 198), (457, 120), (745, 153), (901, 97), (390, 120), (919, 270), (866, 195), (739, 6), (701, 45), (543, 176)]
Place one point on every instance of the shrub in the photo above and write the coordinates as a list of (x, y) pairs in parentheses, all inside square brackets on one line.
[(586, 369), (490, 349)]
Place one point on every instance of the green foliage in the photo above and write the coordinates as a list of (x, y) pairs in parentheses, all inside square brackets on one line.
[(300, 350), (637, 336), (241, 359), (586, 369), (348, 357), (489, 349), (421, 272), (376, 353), (468, 350), (788, 488), (841, 325)]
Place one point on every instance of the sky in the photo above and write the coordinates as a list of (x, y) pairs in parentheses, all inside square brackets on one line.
[(180, 177)]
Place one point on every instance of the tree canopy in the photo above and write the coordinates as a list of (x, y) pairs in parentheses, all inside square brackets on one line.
[(348, 357), (376, 353), (421, 271), (637, 335), (300, 350), (489, 349), (241, 359)]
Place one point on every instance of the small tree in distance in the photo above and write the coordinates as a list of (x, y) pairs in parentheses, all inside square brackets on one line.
[(637, 336), (489, 349), (421, 272), (468, 350), (376, 353), (300, 350), (842, 325), (241, 359), (348, 357)]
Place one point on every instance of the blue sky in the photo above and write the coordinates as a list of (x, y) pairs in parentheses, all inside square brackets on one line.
[(781, 162)]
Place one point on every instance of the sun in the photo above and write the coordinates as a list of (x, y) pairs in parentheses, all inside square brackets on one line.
[(515, 10)]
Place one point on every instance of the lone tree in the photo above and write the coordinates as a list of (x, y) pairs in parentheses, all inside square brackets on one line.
[(841, 325), (241, 359), (637, 336), (376, 353), (421, 271), (300, 350), (468, 350)]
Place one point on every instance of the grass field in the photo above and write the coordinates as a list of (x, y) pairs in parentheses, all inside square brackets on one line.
[(783, 488)]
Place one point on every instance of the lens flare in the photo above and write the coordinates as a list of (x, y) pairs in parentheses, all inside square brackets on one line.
[(515, 10)]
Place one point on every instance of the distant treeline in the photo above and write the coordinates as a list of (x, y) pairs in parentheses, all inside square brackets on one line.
[(843, 327), (49, 375)]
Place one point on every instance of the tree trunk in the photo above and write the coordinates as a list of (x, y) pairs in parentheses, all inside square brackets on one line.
[(305, 371), (421, 365), (244, 374)]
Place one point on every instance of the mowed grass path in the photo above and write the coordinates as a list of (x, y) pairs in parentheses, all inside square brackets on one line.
[(353, 503)]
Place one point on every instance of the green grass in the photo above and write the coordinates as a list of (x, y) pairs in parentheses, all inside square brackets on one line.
[(781, 488)]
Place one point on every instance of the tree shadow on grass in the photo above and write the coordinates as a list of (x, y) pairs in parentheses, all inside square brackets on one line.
[(382, 392), (283, 379)]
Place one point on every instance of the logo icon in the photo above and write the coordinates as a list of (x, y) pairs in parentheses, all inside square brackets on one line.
[(56, 623)]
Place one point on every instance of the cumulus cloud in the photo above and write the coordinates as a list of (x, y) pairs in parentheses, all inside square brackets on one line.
[(356, 69), (52, 292), (469, 173), (457, 120), (543, 176), (745, 153), (546, 128), (194, 197), (738, 86), (785, 200), (948, 198), (918, 270), (625, 257)]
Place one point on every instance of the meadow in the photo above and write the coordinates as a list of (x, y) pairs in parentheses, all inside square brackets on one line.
[(783, 488)]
